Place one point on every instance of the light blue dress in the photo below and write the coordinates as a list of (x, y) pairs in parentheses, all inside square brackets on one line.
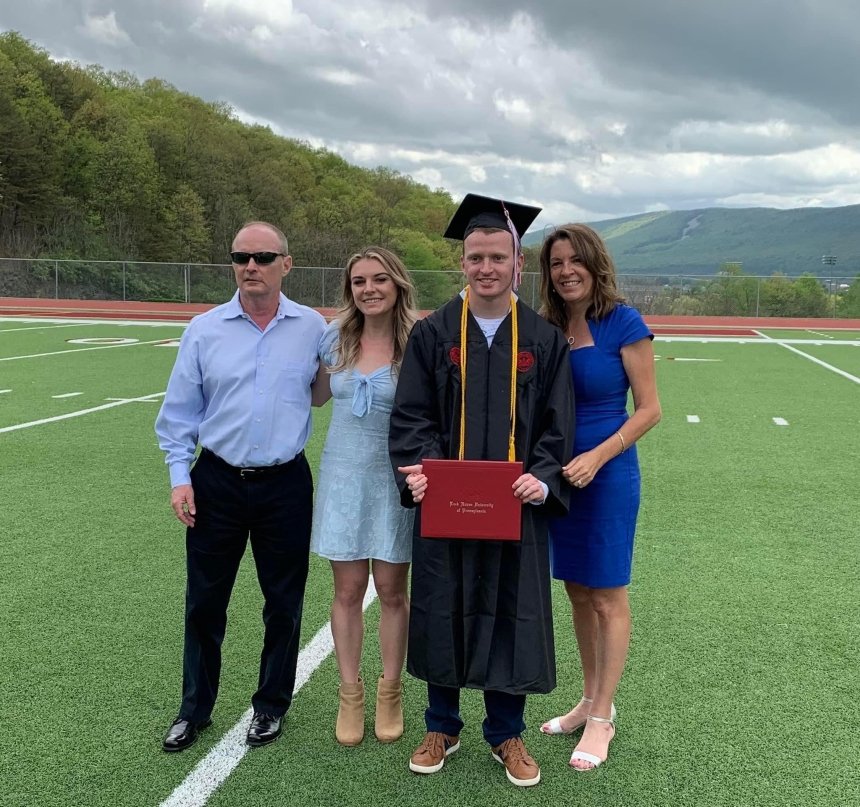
[(357, 512)]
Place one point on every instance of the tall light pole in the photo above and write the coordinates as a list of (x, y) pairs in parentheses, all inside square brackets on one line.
[(830, 260)]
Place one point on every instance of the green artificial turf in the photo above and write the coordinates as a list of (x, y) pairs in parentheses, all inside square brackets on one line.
[(810, 333), (742, 685)]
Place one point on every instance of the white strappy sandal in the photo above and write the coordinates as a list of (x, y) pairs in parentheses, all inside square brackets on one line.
[(584, 756), (554, 726)]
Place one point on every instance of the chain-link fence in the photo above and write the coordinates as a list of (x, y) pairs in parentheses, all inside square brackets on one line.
[(322, 287)]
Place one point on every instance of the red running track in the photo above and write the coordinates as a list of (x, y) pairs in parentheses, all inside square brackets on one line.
[(182, 312)]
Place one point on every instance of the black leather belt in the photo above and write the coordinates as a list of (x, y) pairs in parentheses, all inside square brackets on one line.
[(246, 473)]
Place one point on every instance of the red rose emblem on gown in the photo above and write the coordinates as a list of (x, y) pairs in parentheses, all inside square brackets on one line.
[(525, 361), (454, 355)]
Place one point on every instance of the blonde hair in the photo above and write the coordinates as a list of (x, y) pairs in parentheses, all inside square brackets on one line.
[(595, 257), (351, 321)]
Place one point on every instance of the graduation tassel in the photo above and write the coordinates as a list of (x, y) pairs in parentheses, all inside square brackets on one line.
[(515, 341), (515, 336)]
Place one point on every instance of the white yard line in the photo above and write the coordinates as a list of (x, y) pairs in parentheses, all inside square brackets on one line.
[(67, 395), (220, 762), (830, 367), (693, 419), (44, 327), (79, 350), (79, 413), (819, 333), (780, 421), (4, 390), (94, 321)]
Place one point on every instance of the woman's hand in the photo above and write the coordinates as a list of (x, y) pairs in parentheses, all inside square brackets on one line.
[(583, 468)]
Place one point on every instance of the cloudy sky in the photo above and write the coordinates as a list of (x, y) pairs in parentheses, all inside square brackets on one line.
[(590, 108)]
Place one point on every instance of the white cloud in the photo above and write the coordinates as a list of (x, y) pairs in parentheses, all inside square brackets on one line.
[(105, 30), (592, 110)]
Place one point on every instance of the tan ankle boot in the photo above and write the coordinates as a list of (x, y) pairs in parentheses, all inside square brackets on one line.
[(389, 711), (350, 714)]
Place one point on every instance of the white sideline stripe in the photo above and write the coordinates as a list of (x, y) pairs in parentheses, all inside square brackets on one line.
[(79, 350), (818, 333), (219, 763), (749, 340), (44, 327), (67, 395), (830, 367), (95, 321), (693, 419), (135, 400), (4, 390), (78, 414), (780, 421)]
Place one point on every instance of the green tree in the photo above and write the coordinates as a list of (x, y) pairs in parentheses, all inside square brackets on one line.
[(849, 300), (186, 235)]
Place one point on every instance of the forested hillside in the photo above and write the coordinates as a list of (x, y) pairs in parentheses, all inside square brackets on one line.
[(762, 240), (101, 165)]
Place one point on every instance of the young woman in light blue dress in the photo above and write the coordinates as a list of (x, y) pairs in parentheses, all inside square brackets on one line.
[(592, 547), (359, 524)]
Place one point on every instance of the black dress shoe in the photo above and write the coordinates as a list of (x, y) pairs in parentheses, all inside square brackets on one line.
[(264, 729), (182, 733)]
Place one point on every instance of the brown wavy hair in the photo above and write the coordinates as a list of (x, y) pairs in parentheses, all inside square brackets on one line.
[(592, 251), (351, 320)]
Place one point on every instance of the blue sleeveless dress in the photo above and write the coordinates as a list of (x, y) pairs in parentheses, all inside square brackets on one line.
[(357, 511), (593, 544)]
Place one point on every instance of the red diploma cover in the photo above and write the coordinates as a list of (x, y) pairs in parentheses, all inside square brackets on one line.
[(471, 499)]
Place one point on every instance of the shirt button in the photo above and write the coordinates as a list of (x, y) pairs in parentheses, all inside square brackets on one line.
[(259, 392), (256, 446), (257, 420)]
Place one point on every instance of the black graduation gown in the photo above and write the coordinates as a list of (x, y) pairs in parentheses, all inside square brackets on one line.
[(481, 613)]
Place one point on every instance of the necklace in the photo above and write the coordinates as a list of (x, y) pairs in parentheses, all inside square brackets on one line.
[(570, 340)]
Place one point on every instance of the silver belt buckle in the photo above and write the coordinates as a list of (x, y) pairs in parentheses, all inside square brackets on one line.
[(243, 472)]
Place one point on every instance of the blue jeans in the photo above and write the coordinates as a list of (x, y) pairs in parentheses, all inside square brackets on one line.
[(504, 713)]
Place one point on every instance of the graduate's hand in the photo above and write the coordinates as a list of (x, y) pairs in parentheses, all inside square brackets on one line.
[(416, 481), (529, 489), (582, 468), (182, 502)]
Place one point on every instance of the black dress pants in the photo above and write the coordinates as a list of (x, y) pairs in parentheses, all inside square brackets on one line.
[(273, 507)]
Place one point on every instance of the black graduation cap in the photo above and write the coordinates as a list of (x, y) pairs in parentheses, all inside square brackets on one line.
[(476, 211)]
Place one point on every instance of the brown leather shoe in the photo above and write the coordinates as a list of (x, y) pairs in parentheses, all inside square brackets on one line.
[(520, 767), (429, 757)]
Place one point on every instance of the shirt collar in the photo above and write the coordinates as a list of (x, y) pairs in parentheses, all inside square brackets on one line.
[(286, 308)]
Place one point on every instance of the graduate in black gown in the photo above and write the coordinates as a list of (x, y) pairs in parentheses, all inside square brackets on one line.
[(481, 614)]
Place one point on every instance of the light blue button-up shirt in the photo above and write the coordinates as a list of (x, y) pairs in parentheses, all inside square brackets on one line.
[(241, 392)]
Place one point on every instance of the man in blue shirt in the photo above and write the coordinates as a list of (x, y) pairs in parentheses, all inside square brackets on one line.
[(241, 389)]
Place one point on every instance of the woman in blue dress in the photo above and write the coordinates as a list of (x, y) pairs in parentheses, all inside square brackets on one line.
[(359, 524), (592, 547)]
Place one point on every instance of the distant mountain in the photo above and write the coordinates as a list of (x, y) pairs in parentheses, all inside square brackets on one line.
[(763, 240)]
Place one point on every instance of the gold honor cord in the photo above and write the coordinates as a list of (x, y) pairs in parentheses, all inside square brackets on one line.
[(515, 336)]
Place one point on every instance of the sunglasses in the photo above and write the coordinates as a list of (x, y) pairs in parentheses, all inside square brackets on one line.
[(260, 258)]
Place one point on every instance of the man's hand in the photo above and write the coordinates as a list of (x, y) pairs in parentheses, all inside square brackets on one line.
[(528, 488), (416, 481), (182, 502)]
